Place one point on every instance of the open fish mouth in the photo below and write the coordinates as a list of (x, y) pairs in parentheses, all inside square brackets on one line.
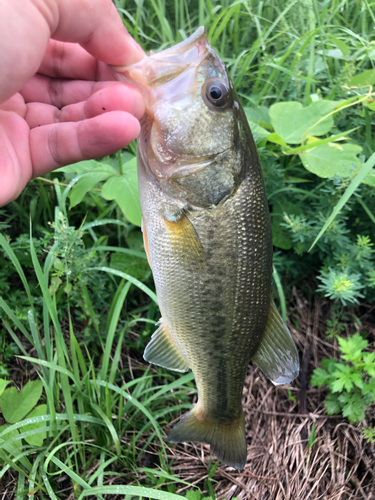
[(164, 66)]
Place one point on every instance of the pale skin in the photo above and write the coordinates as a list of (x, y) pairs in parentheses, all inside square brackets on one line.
[(59, 101)]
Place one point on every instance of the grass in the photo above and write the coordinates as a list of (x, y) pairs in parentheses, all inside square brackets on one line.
[(77, 302)]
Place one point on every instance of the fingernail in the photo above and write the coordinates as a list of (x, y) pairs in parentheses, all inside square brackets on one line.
[(138, 55)]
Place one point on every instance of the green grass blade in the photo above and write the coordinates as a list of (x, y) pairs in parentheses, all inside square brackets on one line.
[(366, 209), (103, 222), (67, 470), (126, 276), (138, 491), (112, 329), (110, 427), (18, 324), (280, 291), (137, 404), (42, 279), (12, 256), (128, 251), (116, 357)]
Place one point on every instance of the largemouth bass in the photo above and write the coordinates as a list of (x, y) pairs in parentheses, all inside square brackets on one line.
[(207, 234)]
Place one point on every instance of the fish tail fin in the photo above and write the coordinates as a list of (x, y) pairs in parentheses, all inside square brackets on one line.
[(227, 440)]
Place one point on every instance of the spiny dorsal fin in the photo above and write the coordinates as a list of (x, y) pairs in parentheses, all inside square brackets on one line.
[(184, 239), (277, 355), (161, 351)]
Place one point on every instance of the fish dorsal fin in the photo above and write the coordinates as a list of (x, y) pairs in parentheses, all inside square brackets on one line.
[(277, 355), (161, 351), (184, 239)]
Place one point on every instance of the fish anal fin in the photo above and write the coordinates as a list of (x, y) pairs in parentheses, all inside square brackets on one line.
[(145, 241), (277, 355), (162, 351), (227, 440), (184, 238)]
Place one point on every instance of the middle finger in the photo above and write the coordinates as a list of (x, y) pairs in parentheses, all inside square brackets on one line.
[(115, 97), (61, 92)]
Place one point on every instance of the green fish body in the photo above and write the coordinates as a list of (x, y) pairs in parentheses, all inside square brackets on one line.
[(208, 237)]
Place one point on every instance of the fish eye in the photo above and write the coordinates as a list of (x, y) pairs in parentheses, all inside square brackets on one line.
[(217, 93)]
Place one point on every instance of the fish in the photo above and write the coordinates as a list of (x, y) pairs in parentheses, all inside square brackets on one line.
[(207, 235)]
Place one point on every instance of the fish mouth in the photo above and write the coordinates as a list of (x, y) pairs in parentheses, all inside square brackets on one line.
[(164, 66)]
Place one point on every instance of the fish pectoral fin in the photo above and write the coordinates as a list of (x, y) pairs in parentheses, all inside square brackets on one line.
[(184, 238), (145, 240), (277, 355), (161, 351), (227, 440)]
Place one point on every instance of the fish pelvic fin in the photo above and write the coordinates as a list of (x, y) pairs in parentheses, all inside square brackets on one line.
[(277, 355), (162, 351), (227, 440)]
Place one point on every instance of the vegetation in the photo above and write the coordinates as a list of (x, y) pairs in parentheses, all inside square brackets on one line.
[(352, 382), (77, 302)]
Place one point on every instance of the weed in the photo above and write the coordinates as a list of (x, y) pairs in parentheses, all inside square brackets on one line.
[(351, 381)]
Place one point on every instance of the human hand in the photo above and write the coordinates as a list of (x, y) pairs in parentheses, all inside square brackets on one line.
[(59, 102)]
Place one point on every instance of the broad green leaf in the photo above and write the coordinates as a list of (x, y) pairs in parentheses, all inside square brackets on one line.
[(277, 139), (352, 347), (354, 406), (332, 404), (365, 78), (370, 179), (279, 238), (320, 377), (79, 167), (258, 131), (329, 364), (132, 265), (258, 115), (87, 183), (344, 378), (38, 438), (3, 384), (292, 121), (124, 189), (335, 53), (340, 45), (329, 160), (16, 405), (369, 363)]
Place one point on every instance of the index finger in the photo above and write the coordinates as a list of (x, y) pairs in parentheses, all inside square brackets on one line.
[(26, 28), (70, 60), (98, 28)]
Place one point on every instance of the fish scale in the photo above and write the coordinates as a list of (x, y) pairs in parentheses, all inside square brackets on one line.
[(208, 236)]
